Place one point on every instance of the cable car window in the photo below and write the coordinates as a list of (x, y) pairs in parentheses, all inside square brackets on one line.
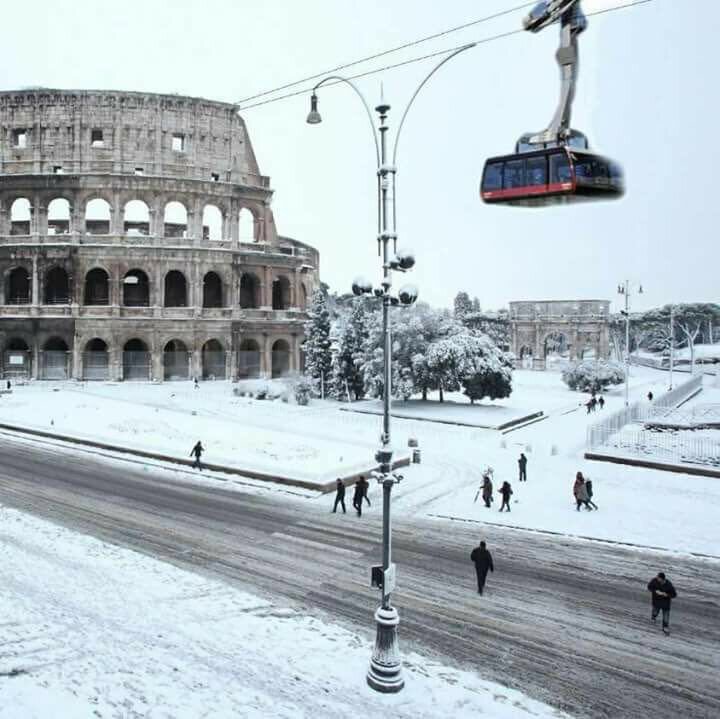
[(514, 174), (536, 171), (560, 168), (589, 169), (493, 176)]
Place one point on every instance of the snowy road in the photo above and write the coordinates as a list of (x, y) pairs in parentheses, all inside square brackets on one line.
[(564, 621)]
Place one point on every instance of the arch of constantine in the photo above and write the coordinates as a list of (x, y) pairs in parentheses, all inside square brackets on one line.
[(543, 332)]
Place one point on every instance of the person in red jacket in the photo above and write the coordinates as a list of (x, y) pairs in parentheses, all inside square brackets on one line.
[(663, 593)]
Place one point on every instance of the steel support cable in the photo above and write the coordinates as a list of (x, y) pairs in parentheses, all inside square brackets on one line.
[(405, 46), (438, 53)]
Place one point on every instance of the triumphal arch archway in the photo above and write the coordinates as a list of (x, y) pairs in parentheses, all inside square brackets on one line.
[(554, 331)]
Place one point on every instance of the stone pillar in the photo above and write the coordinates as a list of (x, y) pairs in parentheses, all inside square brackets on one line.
[(156, 364), (234, 225), (77, 365), (152, 222), (35, 284), (266, 369), (159, 220), (38, 219), (229, 374), (36, 361), (116, 216), (116, 366), (267, 289)]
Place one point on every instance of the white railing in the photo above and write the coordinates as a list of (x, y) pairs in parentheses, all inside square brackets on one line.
[(599, 434)]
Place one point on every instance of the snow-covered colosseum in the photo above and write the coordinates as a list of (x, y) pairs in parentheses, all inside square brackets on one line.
[(137, 242)]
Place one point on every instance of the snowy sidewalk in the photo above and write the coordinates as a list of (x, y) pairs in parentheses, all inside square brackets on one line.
[(135, 637)]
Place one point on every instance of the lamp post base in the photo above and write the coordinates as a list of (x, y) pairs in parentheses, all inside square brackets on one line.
[(385, 672)]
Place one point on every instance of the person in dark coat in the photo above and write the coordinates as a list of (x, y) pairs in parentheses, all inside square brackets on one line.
[(580, 492), (650, 396), (601, 402), (522, 466), (365, 487), (482, 559), (197, 450), (339, 496), (505, 491), (589, 490), (663, 593), (487, 489), (358, 496)]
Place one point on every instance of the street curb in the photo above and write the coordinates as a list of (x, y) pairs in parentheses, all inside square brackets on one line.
[(649, 464), (249, 473), (573, 536)]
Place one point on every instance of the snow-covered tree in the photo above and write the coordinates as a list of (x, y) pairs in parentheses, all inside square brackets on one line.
[(318, 357), (593, 375), (353, 330), (462, 305)]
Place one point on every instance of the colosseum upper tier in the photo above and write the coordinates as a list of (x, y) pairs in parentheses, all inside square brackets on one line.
[(137, 242)]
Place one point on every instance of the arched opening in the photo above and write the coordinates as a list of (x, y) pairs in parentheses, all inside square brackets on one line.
[(588, 353), (136, 360), (175, 289), (526, 357), (212, 290), (20, 216), (17, 359), (175, 360), (57, 287), (136, 218), (97, 287), (281, 293), (54, 359), (556, 350), (212, 223), (213, 360), (96, 360), (246, 226), (175, 220), (59, 217), (249, 291), (280, 358), (248, 359), (97, 217), (18, 290), (136, 289)]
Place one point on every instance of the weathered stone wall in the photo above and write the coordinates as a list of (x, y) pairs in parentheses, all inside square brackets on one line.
[(211, 292)]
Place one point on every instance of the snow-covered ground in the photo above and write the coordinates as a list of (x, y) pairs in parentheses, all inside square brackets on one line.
[(91, 630), (642, 506)]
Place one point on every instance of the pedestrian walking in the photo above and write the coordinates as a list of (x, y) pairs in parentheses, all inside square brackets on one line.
[(197, 450), (339, 496), (588, 405), (482, 559), (8, 384), (506, 492), (580, 492), (650, 396), (358, 496), (601, 402), (365, 487), (486, 490), (589, 490), (197, 385), (663, 593), (522, 466), (593, 403)]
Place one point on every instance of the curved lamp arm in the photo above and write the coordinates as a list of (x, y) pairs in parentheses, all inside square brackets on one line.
[(420, 87), (340, 78)]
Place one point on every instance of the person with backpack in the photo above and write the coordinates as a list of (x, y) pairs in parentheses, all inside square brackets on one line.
[(589, 490), (487, 490), (506, 492), (522, 467)]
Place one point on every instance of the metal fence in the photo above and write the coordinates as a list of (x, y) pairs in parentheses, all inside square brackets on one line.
[(248, 364), (623, 431), (213, 365), (136, 365), (54, 364)]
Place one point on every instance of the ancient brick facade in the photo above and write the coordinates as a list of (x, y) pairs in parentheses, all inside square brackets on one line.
[(137, 241)]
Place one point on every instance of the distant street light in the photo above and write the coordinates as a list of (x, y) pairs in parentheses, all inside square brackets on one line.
[(624, 289)]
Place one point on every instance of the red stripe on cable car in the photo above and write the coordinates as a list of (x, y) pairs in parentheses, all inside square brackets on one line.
[(529, 190)]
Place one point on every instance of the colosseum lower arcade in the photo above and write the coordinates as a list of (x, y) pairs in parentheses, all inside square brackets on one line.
[(137, 243)]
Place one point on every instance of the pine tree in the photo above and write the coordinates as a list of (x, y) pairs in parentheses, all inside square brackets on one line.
[(318, 357), (347, 376), (463, 306)]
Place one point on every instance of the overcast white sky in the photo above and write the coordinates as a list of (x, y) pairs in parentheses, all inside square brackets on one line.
[(647, 97)]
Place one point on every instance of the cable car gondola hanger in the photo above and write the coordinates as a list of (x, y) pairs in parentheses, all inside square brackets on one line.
[(554, 166)]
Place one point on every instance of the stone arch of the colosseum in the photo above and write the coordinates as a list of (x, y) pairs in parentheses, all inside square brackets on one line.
[(250, 290), (248, 223), (136, 359), (281, 357), (96, 286), (282, 291), (57, 285), (213, 359), (59, 215), (136, 288), (176, 286), (250, 357), (176, 359), (17, 284), (213, 290), (95, 359)]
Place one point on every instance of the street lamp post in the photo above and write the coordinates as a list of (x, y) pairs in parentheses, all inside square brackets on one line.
[(624, 289), (672, 343), (385, 671)]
